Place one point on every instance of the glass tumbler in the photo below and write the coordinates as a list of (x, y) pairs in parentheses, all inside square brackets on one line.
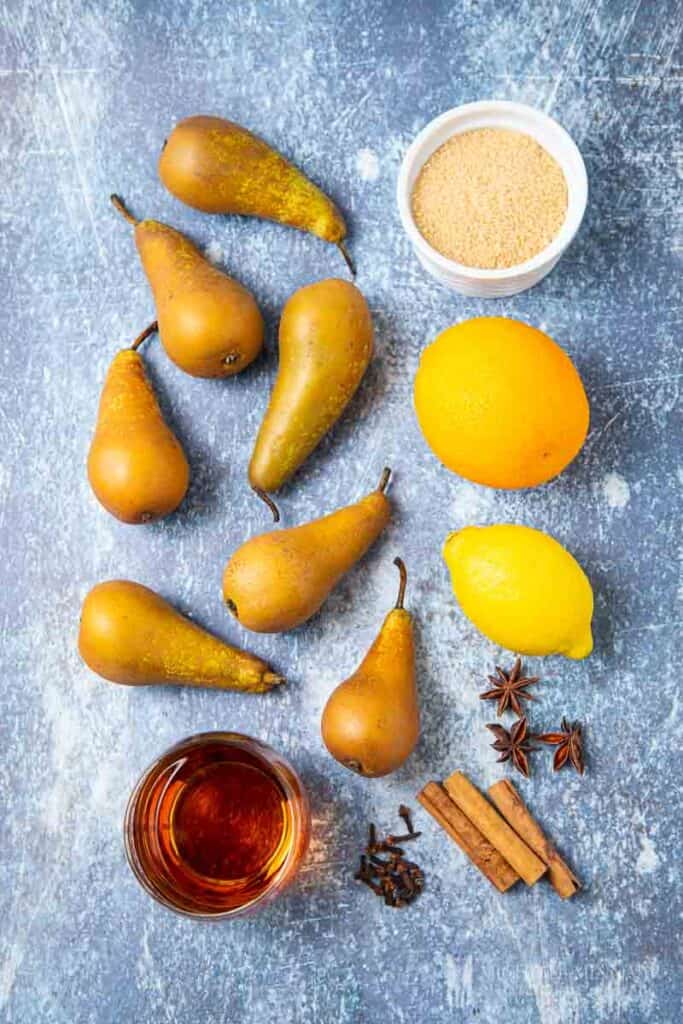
[(217, 826)]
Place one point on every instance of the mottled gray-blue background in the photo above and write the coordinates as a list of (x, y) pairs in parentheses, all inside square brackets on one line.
[(88, 92)]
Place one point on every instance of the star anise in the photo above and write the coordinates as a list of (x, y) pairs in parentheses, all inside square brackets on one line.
[(513, 745), (569, 743), (509, 688)]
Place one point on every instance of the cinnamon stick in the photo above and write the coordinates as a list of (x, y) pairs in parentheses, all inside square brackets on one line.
[(495, 828), (483, 855), (510, 804)]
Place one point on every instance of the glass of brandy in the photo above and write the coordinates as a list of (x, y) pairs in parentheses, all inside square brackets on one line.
[(217, 826)]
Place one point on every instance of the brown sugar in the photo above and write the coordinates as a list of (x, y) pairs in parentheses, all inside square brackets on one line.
[(490, 198)]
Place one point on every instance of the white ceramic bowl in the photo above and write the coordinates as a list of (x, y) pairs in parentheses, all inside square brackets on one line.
[(494, 114)]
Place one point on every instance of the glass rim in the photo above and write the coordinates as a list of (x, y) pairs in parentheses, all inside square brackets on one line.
[(300, 810)]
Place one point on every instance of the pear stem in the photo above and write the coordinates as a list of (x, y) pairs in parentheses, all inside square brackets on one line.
[(349, 262), (384, 480), (119, 205), (269, 502), (150, 329), (398, 562)]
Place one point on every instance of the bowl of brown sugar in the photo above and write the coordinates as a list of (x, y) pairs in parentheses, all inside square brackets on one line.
[(491, 194)]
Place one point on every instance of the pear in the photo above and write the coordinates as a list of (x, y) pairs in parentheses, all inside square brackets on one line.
[(278, 580), (136, 465), (325, 348), (217, 166), (209, 324), (371, 722), (130, 635)]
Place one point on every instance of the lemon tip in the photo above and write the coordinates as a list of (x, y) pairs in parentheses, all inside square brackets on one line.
[(582, 648)]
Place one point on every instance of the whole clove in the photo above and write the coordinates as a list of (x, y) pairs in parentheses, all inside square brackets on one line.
[(391, 877), (405, 813), (394, 840)]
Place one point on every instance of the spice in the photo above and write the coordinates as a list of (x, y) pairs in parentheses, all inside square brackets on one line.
[(490, 198), (509, 688), (483, 855), (512, 807), (407, 818), (569, 742), (397, 880), (494, 827), (513, 745), (504, 846)]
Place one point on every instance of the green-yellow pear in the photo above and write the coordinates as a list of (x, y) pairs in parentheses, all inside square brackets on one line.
[(136, 465), (325, 348), (280, 579), (130, 635), (217, 166), (209, 324), (371, 722)]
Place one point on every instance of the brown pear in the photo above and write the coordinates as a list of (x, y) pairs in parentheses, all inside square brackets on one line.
[(136, 465), (325, 348), (371, 722), (217, 166), (130, 635), (278, 580), (209, 324)]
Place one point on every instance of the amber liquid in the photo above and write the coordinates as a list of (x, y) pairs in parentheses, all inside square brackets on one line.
[(214, 824)]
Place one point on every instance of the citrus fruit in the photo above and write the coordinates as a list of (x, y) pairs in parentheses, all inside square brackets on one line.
[(500, 403), (522, 589)]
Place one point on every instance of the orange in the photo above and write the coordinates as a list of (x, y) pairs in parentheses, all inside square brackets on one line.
[(500, 403)]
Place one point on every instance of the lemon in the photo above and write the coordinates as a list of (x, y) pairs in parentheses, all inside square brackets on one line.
[(500, 403), (522, 589)]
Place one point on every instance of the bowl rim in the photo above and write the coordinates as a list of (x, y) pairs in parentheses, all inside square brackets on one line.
[(577, 182)]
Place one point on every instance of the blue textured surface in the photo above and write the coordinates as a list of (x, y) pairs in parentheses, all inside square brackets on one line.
[(89, 91)]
